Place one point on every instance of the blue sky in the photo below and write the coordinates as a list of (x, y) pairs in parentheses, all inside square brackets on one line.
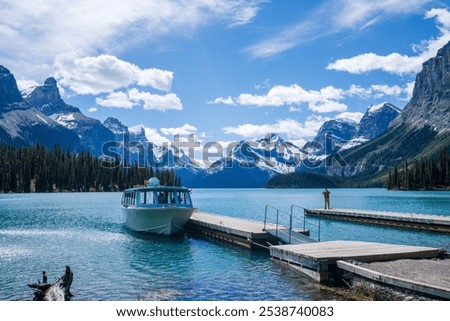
[(224, 70)]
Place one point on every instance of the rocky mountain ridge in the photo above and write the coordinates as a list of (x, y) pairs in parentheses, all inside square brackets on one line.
[(21, 124), (91, 132), (430, 102), (421, 130), (385, 135)]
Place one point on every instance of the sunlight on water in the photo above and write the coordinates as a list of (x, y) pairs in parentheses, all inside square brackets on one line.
[(85, 231)]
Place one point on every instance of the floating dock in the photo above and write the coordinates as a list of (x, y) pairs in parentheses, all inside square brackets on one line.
[(423, 222), (245, 233), (322, 261), (318, 260)]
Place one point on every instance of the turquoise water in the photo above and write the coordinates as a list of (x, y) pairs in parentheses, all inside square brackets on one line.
[(85, 231)]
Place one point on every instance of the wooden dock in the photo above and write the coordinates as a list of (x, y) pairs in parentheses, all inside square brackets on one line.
[(423, 222), (438, 287), (318, 260), (245, 233), (322, 261)]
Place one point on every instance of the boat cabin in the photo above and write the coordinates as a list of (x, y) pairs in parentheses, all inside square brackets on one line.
[(162, 196)]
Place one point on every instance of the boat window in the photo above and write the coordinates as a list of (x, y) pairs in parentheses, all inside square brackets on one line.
[(163, 197), (128, 198), (183, 198), (146, 197)]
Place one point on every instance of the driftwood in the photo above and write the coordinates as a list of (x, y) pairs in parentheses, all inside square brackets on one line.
[(58, 291)]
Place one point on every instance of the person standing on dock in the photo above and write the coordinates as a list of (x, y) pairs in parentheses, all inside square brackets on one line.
[(326, 195)]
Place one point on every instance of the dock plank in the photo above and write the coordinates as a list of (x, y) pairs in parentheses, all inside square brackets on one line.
[(430, 289), (245, 228), (319, 258), (334, 250), (290, 237), (426, 222)]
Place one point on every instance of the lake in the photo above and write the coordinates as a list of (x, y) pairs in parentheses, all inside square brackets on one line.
[(85, 231)]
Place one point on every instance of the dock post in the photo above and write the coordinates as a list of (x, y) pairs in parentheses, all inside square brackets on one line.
[(265, 217), (290, 227), (318, 237), (276, 230)]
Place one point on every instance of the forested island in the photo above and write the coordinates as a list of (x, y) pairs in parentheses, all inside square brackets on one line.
[(303, 180), (37, 169)]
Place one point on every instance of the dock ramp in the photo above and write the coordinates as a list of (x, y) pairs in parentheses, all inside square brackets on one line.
[(281, 225), (289, 236)]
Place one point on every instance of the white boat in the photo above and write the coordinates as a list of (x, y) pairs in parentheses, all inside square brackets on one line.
[(157, 209)]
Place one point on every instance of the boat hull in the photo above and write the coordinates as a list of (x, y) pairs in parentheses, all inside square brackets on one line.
[(160, 220)]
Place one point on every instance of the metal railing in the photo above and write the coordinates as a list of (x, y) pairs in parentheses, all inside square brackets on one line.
[(277, 219), (291, 217), (306, 222)]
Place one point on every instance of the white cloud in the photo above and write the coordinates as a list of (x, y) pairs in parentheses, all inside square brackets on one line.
[(358, 91), (92, 109), (153, 136), (25, 84), (186, 129), (155, 102), (332, 17), (293, 109), (263, 85), (409, 88), (76, 26), (323, 101), (293, 129), (379, 91), (385, 90), (350, 116), (226, 101), (116, 99), (396, 63), (135, 97), (105, 73)]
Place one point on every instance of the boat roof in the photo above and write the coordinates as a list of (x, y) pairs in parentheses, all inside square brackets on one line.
[(159, 188)]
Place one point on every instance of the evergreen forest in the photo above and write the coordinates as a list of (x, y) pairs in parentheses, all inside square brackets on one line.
[(423, 174), (37, 169), (303, 180)]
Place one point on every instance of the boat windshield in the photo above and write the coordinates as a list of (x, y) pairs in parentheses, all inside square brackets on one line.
[(156, 198)]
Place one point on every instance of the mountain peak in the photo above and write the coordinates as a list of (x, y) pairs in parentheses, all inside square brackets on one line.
[(116, 126), (270, 137), (379, 107), (47, 99), (4, 70), (9, 93), (50, 82), (376, 120)]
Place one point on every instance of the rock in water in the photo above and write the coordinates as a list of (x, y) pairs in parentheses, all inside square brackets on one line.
[(58, 291)]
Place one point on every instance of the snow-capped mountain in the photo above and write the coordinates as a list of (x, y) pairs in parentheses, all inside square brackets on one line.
[(270, 153), (116, 127), (135, 145), (421, 130), (23, 125), (91, 132), (137, 133), (375, 122), (251, 163), (337, 131)]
